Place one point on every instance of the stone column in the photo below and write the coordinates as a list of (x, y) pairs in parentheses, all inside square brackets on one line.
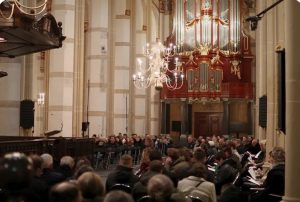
[(27, 87), (78, 68), (61, 71), (261, 64), (270, 77), (292, 31)]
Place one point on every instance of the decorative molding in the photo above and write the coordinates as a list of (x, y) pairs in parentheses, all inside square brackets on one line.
[(98, 29), (121, 91), (139, 117), (69, 40), (235, 68), (122, 68), (122, 17), (96, 57), (122, 43), (9, 104), (127, 12), (120, 116), (60, 108), (63, 7), (140, 96), (97, 113), (98, 85), (61, 75)]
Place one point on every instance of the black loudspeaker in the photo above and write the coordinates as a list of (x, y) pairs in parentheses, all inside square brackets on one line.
[(85, 126), (27, 114), (281, 90), (262, 117)]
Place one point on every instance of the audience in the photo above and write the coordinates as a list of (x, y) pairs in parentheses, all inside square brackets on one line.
[(118, 196), (161, 189), (213, 169), (177, 163), (91, 187), (123, 174), (50, 176), (140, 188), (16, 173), (65, 192), (274, 183), (196, 185), (228, 191), (38, 186), (82, 169), (66, 166)]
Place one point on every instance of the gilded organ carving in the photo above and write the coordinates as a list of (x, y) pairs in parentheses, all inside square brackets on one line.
[(214, 48)]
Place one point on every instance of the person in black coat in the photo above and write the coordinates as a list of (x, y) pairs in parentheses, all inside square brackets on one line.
[(254, 147), (123, 174), (50, 176), (140, 188), (229, 191), (274, 183)]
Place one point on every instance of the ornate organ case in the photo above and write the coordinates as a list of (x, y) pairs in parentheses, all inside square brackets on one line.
[(214, 50)]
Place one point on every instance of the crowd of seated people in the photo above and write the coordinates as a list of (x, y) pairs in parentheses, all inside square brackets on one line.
[(207, 169), (109, 149)]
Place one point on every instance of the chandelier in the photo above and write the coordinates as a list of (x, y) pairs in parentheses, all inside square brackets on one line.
[(27, 10), (160, 70)]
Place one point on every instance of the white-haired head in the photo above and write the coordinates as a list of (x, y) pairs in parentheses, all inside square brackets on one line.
[(67, 161), (47, 161)]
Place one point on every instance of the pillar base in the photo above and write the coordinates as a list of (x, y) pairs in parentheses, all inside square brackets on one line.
[(290, 199)]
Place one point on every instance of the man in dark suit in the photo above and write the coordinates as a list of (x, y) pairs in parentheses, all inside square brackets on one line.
[(50, 176)]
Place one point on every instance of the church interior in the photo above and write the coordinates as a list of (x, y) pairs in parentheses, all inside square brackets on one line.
[(75, 75)]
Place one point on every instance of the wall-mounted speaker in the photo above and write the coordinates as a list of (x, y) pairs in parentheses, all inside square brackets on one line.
[(27, 114), (281, 90), (262, 116), (85, 126)]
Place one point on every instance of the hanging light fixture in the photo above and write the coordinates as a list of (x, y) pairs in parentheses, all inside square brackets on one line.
[(160, 69), (11, 5)]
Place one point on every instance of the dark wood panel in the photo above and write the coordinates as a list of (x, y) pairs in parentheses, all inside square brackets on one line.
[(208, 124)]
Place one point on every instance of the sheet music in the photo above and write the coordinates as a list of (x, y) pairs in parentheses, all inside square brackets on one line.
[(211, 169), (256, 156), (257, 182)]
